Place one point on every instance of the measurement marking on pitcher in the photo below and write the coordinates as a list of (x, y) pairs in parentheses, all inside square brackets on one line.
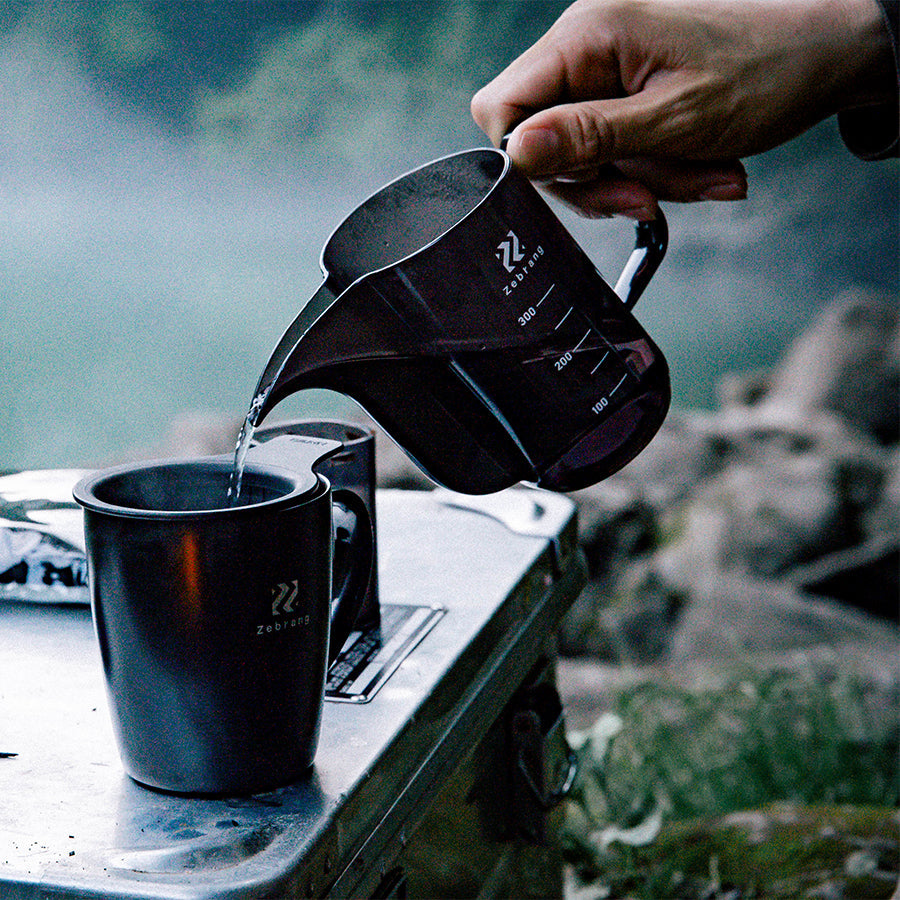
[(587, 334), (531, 312), (563, 319), (602, 358), (621, 382)]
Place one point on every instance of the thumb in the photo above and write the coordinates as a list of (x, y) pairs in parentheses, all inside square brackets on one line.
[(579, 137)]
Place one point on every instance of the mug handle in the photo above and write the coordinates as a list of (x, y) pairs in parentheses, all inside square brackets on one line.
[(354, 560)]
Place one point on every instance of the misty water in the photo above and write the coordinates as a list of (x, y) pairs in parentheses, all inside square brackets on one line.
[(164, 204)]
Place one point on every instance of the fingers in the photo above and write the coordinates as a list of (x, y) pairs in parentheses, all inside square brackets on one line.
[(674, 115), (608, 193), (568, 148), (526, 86), (571, 137), (633, 188), (689, 80), (686, 181), (618, 107), (574, 60)]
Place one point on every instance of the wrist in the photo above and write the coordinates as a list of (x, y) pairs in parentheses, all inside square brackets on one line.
[(867, 66)]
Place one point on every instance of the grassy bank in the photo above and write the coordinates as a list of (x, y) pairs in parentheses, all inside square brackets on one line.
[(772, 784)]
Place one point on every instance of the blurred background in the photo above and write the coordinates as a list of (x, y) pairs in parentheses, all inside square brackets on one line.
[(169, 172)]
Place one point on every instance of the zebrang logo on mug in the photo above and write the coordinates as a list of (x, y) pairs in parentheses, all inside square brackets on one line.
[(284, 596), (284, 615)]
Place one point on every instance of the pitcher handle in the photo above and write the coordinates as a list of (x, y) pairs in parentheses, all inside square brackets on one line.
[(354, 561), (650, 243)]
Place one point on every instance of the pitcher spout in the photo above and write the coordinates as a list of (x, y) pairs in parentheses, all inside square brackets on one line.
[(333, 341), (281, 371)]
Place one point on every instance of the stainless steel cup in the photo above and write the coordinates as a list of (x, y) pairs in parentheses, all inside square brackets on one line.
[(214, 620)]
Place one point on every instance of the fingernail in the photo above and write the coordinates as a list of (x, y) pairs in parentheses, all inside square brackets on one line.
[(641, 213), (726, 190), (537, 146)]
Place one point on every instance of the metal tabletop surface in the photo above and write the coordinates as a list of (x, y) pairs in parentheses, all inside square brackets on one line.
[(503, 569)]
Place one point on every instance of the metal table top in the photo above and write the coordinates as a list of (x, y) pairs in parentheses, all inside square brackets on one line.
[(72, 824)]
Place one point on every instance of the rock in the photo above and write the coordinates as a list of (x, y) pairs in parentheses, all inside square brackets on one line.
[(846, 362), (882, 515), (760, 520), (614, 517), (585, 631), (743, 388), (785, 493), (684, 452), (729, 616), (789, 480), (864, 576), (633, 624), (616, 523), (589, 687)]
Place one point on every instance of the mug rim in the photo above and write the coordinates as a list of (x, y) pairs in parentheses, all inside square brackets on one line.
[(363, 433), (301, 489)]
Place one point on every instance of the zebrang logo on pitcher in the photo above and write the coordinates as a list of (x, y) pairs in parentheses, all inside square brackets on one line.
[(284, 596), (516, 259), (510, 252)]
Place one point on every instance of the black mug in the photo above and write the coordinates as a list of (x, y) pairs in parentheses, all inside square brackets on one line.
[(214, 619)]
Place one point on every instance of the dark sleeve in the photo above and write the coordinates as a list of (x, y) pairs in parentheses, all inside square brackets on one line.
[(871, 132)]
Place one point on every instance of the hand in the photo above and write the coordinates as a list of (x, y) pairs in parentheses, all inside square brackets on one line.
[(623, 103)]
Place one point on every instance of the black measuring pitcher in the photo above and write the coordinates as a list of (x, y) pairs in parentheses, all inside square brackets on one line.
[(460, 313)]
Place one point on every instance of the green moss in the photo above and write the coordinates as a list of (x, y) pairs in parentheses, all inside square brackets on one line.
[(777, 852)]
